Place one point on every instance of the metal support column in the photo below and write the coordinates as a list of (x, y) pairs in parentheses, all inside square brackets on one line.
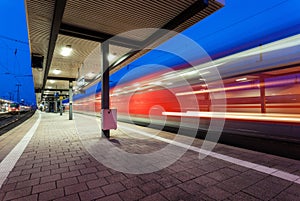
[(55, 105), (105, 82), (70, 100), (262, 94), (60, 105)]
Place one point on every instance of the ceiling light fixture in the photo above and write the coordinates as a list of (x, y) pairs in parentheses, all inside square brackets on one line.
[(111, 57), (66, 51), (56, 71), (90, 75), (241, 79)]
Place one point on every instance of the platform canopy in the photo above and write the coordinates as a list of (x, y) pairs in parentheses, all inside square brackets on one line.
[(84, 24)]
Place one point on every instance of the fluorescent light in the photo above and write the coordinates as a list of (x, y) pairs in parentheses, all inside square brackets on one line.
[(204, 73), (51, 81), (90, 75), (56, 71), (66, 51), (241, 79), (98, 76), (111, 57)]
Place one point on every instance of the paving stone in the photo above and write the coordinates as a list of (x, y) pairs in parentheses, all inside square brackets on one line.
[(198, 196), (115, 178), (27, 183), (8, 187), (241, 196), (67, 182), (88, 170), (18, 179), (40, 174), (92, 164), (114, 197), (253, 175), (165, 172), (55, 166), (208, 167), (103, 173), (196, 171), (45, 166), (154, 197), (50, 178), (51, 195), (96, 183), (222, 174), (64, 163), (235, 184), (174, 193), (216, 193), (238, 168), (183, 176), (70, 174), (190, 187), (151, 187), (17, 193), (69, 158), (82, 161), (265, 189), (132, 182), (132, 194), (168, 181), (22, 167), (294, 189), (177, 168), (284, 196), (74, 197), (77, 167), (113, 188), (149, 177), (205, 181), (87, 177), (91, 194), (60, 170), (43, 187), (14, 173), (27, 198)]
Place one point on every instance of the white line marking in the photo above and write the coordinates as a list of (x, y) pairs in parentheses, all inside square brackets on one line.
[(260, 168), (8, 163)]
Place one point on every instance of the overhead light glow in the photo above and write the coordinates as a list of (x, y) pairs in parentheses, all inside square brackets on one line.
[(56, 71), (66, 51), (111, 57), (90, 75), (241, 79), (204, 73), (51, 81)]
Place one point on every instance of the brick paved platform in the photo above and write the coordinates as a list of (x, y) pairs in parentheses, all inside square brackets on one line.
[(62, 163)]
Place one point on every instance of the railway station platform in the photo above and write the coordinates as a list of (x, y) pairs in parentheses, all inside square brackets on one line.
[(49, 157)]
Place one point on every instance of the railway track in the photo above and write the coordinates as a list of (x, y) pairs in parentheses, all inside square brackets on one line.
[(10, 121)]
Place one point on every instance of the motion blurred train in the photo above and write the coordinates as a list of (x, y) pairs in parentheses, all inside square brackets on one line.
[(256, 92), (15, 108)]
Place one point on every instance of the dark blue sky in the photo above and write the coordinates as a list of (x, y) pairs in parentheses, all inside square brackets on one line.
[(14, 53), (240, 25)]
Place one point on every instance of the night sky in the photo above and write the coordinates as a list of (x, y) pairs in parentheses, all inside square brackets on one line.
[(15, 70), (240, 25)]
